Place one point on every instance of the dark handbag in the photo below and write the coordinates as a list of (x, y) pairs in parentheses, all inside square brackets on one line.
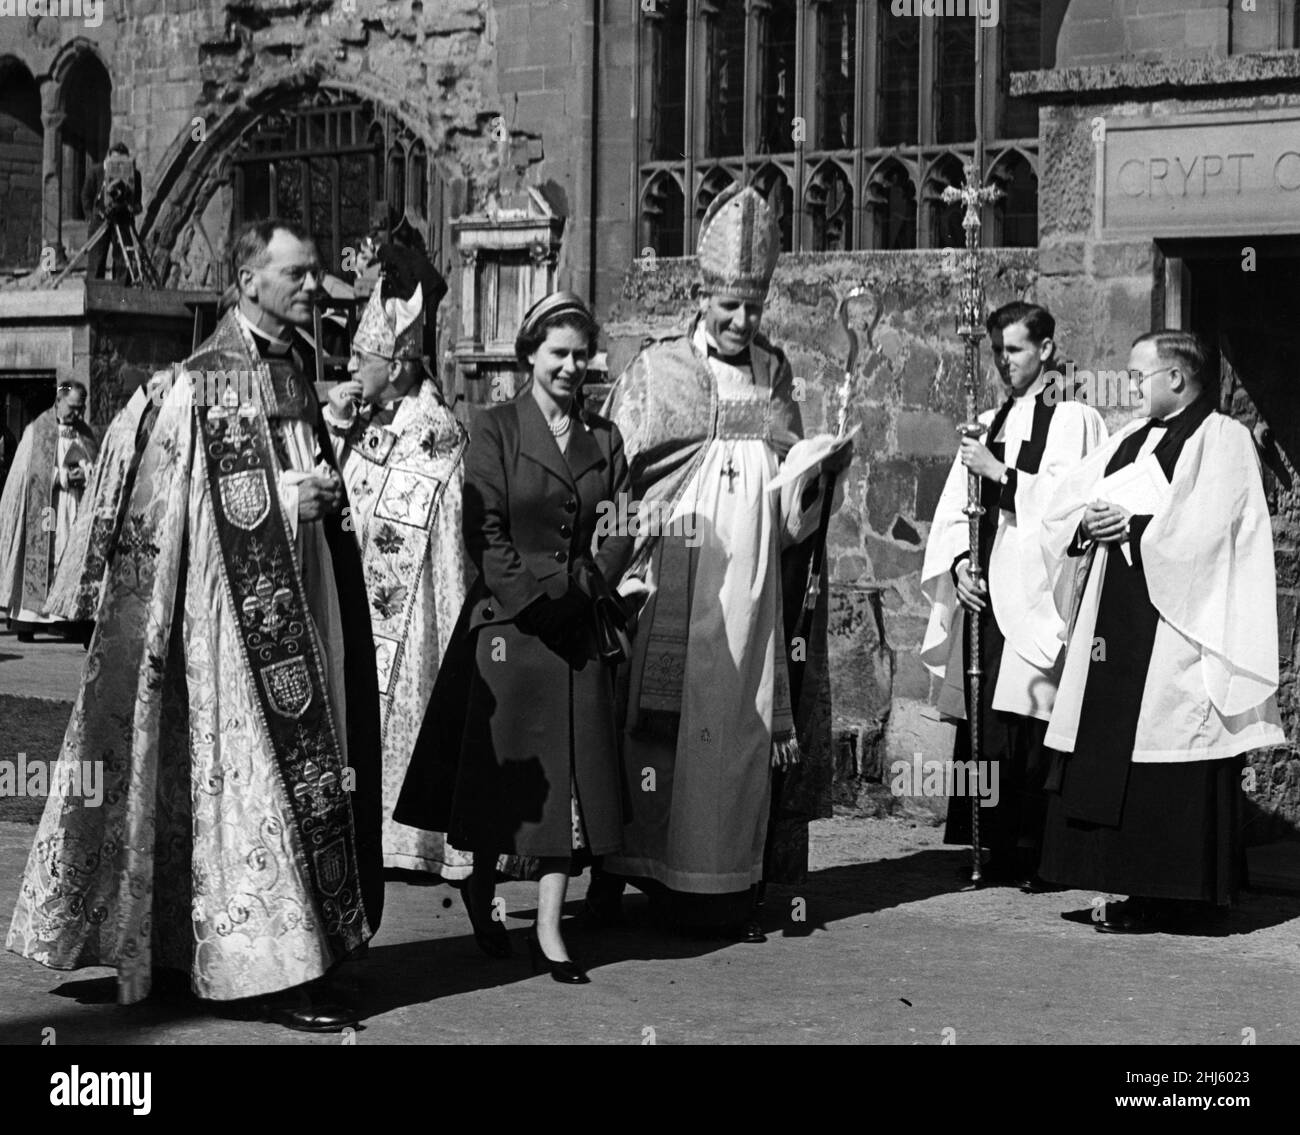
[(613, 640)]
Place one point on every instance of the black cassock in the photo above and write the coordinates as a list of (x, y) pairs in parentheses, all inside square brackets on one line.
[(1169, 831), (1012, 829)]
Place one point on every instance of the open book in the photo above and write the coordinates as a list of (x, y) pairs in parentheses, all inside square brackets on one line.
[(806, 455)]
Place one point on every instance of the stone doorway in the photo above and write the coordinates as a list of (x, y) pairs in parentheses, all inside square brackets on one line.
[(24, 396), (1243, 296)]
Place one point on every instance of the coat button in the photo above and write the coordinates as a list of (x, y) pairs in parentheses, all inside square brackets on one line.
[(560, 557), (488, 613), (571, 505), (565, 530)]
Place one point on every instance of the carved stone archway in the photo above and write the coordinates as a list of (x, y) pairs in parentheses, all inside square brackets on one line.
[(215, 157)]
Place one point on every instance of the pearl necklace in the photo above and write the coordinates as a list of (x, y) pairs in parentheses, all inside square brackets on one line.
[(562, 428)]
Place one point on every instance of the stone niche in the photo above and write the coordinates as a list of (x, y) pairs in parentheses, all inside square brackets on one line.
[(508, 255), (102, 334)]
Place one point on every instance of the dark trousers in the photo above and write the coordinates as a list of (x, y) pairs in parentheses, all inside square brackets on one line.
[(97, 255)]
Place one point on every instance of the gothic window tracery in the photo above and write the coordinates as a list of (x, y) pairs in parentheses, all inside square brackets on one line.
[(826, 92), (343, 168), (22, 139)]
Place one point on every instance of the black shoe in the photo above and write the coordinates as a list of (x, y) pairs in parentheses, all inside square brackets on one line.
[(315, 1008), (567, 973), (26, 636), (750, 932), (317, 1017), (495, 943), (1037, 885), (1129, 917)]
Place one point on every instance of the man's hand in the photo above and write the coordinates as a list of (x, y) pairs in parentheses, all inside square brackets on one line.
[(972, 597), (976, 457), (1105, 523), (76, 478), (319, 497), (344, 397)]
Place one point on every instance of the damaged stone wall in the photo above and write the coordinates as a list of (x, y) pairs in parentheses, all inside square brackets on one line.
[(500, 93)]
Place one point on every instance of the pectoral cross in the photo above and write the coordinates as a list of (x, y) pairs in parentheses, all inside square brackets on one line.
[(731, 473)]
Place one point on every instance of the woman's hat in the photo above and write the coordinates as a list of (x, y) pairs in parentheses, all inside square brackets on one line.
[(549, 307)]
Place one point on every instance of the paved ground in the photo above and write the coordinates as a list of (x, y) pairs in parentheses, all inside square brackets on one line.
[(889, 951), (46, 668)]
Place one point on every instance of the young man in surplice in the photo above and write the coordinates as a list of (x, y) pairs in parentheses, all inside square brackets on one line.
[(1038, 433), (1172, 668)]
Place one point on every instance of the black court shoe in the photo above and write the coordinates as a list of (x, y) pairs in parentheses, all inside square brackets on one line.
[(567, 973)]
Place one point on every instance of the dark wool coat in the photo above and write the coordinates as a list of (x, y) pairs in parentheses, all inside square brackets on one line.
[(512, 728)]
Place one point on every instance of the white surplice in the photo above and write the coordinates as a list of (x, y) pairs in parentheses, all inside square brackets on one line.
[(1207, 556), (1018, 584), (703, 829)]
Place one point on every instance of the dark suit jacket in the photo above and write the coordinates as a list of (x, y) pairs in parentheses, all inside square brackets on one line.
[(530, 512)]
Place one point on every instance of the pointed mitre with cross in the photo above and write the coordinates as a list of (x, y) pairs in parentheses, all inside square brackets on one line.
[(738, 246), (392, 324)]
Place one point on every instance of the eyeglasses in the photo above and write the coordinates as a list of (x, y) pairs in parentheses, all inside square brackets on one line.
[(1149, 374)]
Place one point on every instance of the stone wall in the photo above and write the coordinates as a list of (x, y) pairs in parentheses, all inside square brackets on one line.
[(1107, 31)]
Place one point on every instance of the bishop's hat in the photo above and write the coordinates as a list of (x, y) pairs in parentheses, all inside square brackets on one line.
[(393, 321), (739, 243)]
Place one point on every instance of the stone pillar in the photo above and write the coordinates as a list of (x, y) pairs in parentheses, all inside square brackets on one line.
[(52, 117)]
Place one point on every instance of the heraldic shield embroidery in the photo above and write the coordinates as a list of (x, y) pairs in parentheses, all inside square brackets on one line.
[(288, 687), (245, 498), (278, 640), (332, 866)]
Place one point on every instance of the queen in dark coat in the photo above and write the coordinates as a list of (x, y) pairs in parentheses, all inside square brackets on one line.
[(519, 750)]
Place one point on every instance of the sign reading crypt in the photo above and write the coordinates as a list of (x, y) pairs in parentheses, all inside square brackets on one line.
[(1201, 175)]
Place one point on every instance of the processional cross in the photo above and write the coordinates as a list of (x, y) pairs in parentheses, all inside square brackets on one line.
[(970, 326)]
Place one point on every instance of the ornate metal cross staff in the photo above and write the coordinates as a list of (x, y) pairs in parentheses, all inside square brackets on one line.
[(970, 326)]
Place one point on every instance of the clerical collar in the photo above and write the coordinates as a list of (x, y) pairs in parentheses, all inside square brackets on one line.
[(267, 344), (709, 345), (1169, 417)]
